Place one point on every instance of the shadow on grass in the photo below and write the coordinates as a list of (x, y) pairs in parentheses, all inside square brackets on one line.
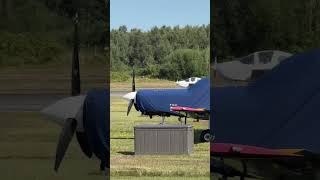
[(128, 153)]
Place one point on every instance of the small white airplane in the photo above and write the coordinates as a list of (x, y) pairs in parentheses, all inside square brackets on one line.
[(245, 68), (188, 82)]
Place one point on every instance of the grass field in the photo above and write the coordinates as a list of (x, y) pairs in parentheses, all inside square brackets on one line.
[(55, 79), (28, 140), (124, 165), (27, 150), (49, 79), (142, 83)]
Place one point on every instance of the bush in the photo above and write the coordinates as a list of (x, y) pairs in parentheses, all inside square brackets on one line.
[(184, 63), (180, 64), (17, 49), (120, 76), (151, 71)]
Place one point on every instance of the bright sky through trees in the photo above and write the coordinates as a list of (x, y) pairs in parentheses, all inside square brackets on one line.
[(144, 14)]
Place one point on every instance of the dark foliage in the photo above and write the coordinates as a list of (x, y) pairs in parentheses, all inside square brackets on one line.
[(242, 27)]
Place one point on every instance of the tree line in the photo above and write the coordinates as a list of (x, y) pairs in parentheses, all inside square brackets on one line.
[(242, 27), (41, 31), (161, 52)]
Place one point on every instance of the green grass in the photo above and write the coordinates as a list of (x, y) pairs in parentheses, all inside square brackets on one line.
[(27, 150), (159, 178), (142, 83), (28, 140), (28, 144), (124, 165), (55, 79), (49, 79)]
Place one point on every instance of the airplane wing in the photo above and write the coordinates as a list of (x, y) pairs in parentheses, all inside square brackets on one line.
[(230, 160), (197, 113), (245, 151), (188, 109)]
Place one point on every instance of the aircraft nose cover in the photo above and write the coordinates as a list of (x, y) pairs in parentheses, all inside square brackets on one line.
[(159, 101), (97, 124)]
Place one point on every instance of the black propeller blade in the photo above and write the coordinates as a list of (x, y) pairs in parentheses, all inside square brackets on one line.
[(75, 76), (70, 125), (65, 138), (84, 144), (130, 106), (133, 80), (133, 90)]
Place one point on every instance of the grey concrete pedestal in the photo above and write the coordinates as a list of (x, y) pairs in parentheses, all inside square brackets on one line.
[(163, 139)]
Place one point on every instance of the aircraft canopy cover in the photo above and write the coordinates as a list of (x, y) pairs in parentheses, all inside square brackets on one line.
[(279, 110), (160, 101), (96, 119)]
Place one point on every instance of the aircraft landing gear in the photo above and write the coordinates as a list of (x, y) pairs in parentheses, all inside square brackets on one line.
[(244, 173), (162, 120), (205, 136)]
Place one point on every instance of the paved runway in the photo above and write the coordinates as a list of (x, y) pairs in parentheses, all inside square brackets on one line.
[(33, 102)]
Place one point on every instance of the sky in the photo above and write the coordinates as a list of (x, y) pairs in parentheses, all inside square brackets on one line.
[(145, 14)]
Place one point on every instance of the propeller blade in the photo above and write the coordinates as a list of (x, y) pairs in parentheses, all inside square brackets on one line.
[(84, 144), (75, 76), (65, 138), (133, 80), (130, 106)]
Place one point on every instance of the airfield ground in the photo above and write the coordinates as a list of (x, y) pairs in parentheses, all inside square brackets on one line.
[(48, 79), (27, 150), (28, 140), (124, 165), (142, 83)]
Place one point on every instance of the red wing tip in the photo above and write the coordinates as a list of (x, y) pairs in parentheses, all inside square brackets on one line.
[(222, 148), (189, 109)]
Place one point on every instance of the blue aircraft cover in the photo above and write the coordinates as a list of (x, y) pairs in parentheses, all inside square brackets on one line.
[(280, 110), (159, 101), (96, 120)]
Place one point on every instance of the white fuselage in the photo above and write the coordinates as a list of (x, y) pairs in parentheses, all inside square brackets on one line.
[(188, 82)]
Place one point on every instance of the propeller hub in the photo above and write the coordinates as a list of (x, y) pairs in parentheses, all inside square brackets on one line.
[(130, 96)]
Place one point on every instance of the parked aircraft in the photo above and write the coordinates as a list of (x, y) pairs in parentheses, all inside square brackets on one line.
[(188, 82), (270, 128), (158, 102), (251, 66)]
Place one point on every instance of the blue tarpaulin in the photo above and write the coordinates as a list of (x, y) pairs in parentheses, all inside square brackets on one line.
[(279, 110), (96, 119), (159, 101)]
